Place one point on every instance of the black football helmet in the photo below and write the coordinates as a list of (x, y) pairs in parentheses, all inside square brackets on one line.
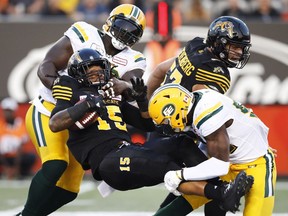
[(229, 30), (82, 60)]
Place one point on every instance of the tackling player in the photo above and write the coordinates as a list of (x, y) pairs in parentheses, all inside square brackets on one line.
[(58, 181), (228, 131), (105, 147), (204, 63)]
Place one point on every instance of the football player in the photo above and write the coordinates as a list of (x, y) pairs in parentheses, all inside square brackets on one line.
[(205, 63), (229, 131), (105, 147), (58, 181)]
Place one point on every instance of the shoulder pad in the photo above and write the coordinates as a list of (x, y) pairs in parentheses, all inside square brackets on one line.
[(195, 44), (63, 87)]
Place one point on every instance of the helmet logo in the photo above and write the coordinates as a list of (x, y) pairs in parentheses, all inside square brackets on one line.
[(225, 26), (168, 110)]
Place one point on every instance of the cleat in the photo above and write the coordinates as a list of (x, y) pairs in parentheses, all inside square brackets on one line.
[(233, 191), (249, 183)]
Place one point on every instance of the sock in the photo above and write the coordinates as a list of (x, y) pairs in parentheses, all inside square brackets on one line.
[(178, 206), (60, 198), (170, 197), (212, 191), (212, 208), (42, 188)]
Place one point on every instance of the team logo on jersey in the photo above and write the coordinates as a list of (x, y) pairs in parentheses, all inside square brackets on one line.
[(168, 110), (56, 81), (218, 70), (225, 27)]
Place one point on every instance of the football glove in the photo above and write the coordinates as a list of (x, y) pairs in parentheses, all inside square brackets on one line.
[(139, 90), (96, 104), (172, 181), (108, 90), (165, 129)]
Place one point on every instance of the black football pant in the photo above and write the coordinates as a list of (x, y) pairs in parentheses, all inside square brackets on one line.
[(134, 166)]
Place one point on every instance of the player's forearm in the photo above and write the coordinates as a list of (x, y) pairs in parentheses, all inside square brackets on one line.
[(153, 83), (64, 119), (157, 76), (60, 121)]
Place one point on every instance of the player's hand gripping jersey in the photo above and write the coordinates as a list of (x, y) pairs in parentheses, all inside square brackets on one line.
[(196, 65)]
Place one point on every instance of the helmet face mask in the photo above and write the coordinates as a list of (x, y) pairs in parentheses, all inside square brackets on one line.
[(125, 31), (226, 32), (125, 25), (89, 68), (170, 104)]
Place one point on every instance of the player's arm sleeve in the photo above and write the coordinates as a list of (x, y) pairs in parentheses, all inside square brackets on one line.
[(132, 116), (208, 169), (77, 34), (60, 105), (218, 80), (62, 91)]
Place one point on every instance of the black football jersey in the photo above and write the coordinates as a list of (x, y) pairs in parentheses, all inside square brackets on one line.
[(110, 126), (197, 65)]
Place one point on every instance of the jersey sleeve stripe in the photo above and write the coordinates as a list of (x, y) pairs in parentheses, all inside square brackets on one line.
[(80, 32), (58, 97), (213, 78), (218, 76), (62, 88), (62, 92), (62, 95), (221, 85), (204, 116)]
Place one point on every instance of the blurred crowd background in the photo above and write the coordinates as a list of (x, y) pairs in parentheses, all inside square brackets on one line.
[(186, 10)]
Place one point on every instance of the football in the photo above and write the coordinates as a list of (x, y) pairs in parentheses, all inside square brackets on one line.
[(88, 119)]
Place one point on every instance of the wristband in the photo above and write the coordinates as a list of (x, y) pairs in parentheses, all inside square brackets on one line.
[(143, 105)]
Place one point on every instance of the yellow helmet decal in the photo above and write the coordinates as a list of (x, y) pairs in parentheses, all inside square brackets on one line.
[(132, 12)]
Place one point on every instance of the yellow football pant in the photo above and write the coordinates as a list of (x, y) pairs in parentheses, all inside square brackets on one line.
[(52, 146), (260, 199)]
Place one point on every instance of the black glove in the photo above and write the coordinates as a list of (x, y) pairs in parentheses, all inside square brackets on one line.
[(165, 130), (139, 90), (96, 104)]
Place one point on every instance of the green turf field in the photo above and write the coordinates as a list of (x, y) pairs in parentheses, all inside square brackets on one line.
[(140, 202)]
